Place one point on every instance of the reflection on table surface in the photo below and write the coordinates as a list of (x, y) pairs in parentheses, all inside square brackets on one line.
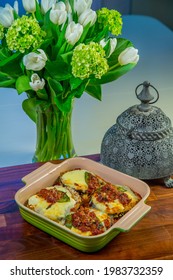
[(92, 118)]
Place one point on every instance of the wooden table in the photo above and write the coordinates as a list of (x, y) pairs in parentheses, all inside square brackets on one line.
[(150, 239)]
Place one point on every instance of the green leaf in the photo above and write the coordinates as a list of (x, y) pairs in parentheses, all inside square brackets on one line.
[(64, 197), (47, 42), (94, 90), (64, 104), (65, 48), (22, 84), (9, 59), (101, 34), (11, 65), (58, 69), (67, 57), (47, 25), (68, 221), (61, 37), (6, 80), (75, 83), (42, 94), (38, 13), (3, 54), (84, 33), (77, 92), (56, 90), (115, 74), (7, 83), (29, 106), (87, 177), (55, 86)]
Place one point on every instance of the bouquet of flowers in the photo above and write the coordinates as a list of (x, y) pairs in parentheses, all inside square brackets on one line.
[(54, 53)]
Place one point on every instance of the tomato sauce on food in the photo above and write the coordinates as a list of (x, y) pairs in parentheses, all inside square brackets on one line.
[(108, 193), (93, 183), (51, 195), (86, 220)]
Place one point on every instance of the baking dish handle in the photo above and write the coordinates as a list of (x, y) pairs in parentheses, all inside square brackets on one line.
[(134, 216), (39, 173)]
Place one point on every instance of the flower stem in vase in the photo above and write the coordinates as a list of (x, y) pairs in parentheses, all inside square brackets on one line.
[(54, 137)]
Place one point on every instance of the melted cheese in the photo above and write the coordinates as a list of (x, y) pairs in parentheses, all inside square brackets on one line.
[(116, 207), (76, 230), (131, 194), (59, 209), (100, 215), (55, 211), (38, 204), (75, 179), (108, 207)]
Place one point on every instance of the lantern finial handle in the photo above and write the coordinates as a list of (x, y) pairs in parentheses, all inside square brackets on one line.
[(145, 96)]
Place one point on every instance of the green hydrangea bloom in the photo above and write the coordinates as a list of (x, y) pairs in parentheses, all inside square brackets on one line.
[(110, 18), (88, 60), (1, 31), (24, 34)]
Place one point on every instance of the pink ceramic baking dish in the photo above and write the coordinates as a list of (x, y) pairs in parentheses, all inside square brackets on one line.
[(46, 175)]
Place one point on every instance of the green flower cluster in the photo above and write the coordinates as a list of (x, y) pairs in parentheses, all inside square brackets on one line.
[(110, 18), (88, 60), (1, 32), (23, 34)]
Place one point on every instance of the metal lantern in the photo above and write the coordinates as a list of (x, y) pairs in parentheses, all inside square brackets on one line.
[(140, 144)]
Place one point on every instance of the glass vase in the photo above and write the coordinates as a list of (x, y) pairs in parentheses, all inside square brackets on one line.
[(54, 136)]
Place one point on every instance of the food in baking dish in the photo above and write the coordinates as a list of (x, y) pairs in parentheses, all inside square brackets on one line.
[(114, 199), (88, 221), (53, 202), (83, 202)]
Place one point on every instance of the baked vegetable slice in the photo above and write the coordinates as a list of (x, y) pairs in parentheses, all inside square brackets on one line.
[(53, 202), (88, 221), (114, 199)]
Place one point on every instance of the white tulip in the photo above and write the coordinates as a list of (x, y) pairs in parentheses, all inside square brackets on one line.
[(73, 32), (129, 55), (68, 7), (34, 61), (81, 5), (103, 43), (29, 5), (87, 16), (69, 11), (58, 13), (46, 5), (113, 43), (16, 7), (36, 83), (6, 16)]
